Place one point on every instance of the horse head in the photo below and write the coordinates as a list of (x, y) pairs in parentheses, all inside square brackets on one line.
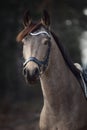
[(36, 41)]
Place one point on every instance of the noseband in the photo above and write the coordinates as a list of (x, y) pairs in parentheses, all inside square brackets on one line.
[(42, 64)]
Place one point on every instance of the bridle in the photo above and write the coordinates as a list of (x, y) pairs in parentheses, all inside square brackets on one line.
[(44, 63)]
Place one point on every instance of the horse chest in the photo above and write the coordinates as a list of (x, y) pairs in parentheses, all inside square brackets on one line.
[(49, 121)]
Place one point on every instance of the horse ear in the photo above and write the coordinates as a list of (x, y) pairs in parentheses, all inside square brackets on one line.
[(27, 18), (45, 19)]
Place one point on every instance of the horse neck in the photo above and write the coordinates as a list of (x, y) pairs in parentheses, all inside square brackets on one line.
[(57, 82)]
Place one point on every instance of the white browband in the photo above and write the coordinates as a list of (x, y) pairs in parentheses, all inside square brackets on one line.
[(41, 32)]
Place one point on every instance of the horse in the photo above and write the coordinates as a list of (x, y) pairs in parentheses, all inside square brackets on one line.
[(46, 59)]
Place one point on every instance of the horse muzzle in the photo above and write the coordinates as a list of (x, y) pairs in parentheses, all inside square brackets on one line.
[(33, 68), (31, 75)]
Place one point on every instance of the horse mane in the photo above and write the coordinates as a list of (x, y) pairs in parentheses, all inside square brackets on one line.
[(66, 56)]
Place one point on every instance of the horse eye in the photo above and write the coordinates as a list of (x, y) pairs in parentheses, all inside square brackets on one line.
[(46, 43)]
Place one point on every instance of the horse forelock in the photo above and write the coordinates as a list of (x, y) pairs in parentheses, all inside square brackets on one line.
[(32, 27)]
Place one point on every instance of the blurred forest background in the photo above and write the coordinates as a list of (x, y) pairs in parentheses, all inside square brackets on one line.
[(20, 104)]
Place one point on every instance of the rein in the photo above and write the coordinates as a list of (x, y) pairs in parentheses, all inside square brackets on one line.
[(42, 64)]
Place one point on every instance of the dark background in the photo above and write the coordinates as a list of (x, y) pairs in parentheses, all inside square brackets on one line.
[(20, 104)]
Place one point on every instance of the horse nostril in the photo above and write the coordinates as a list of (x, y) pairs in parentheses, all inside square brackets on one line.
[(24, 72), (36, 72)]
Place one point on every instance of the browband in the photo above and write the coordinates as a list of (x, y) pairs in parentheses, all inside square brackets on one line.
[(41, 32)]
